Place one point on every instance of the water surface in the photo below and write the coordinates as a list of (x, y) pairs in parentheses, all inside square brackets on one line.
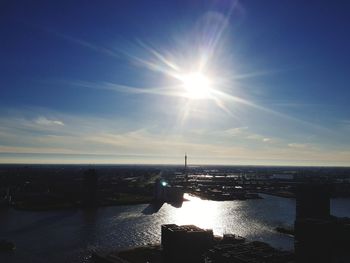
[(71, 235)]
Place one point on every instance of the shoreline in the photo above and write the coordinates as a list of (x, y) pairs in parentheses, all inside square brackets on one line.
[(126, 199)]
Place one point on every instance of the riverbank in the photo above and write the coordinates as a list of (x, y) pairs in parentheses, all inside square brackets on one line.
[(122, 199), (222, 196), (284, 194)]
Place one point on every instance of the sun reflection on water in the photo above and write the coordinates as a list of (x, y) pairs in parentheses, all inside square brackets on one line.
[(221, 216), (205, 214)]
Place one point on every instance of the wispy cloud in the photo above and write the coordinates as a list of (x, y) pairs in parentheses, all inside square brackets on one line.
[(267, 140), (45, 121), (245, 133), (236, 131), (23, 138), (83, 43), (165, 90), (298, 145), (173, 63)]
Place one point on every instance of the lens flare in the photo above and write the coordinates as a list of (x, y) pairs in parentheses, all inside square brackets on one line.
[(196, 85)]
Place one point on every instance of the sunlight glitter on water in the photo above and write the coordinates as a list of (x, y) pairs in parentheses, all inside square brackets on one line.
[(202, 213)]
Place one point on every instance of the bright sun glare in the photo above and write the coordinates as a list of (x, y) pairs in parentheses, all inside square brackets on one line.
[(196, 85)]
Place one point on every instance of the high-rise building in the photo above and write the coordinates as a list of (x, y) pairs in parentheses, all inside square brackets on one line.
[(319, 237), (313, 201), (185, 244)]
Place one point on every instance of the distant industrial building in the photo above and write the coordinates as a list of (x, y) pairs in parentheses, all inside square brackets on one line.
[(163, 192)]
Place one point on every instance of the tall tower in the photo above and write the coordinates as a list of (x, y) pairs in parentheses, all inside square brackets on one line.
[(185, 162)]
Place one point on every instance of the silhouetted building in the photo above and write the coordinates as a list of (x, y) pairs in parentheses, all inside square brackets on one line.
[(90, 188), (185, 244), (163, 192), (159, 191), (319, 237), (313, 201)]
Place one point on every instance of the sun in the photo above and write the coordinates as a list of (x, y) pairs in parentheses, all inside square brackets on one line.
[(196, 85)]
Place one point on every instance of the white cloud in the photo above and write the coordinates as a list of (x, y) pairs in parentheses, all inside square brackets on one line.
[(236, 131), (25, 136), (48, 122), (298, 145), (254, 136), (244, 133)]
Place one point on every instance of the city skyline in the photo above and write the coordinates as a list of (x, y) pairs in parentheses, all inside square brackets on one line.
[(228, 82)]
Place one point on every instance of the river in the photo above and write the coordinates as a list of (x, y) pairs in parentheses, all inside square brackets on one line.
[(71, 235)]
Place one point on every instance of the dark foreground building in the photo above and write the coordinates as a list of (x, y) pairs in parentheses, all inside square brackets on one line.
[(185, 243), (189, 243), (247, 252), (319, 237)]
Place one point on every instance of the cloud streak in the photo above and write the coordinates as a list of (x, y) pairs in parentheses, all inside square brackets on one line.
[(83, 43), (45, 121), (79, 141)]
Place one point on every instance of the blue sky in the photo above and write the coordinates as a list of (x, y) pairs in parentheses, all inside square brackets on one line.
[(107, 82)]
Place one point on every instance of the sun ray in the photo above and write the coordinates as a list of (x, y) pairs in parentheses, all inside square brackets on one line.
[(190, 71)]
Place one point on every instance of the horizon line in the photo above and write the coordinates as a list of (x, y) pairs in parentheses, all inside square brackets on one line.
[(172, 164)]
